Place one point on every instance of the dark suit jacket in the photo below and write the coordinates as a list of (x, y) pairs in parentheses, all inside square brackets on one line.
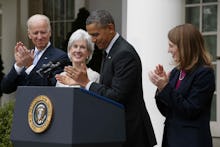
[(122, 82), (187, 109), (12, 80)]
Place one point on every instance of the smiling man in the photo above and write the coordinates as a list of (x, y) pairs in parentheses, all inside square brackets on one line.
[(120, 78), (27, 62)]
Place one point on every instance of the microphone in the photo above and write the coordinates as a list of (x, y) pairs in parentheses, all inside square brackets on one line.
[(50, 66)]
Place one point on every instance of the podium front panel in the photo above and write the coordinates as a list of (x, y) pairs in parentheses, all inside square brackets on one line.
[(79, 119)]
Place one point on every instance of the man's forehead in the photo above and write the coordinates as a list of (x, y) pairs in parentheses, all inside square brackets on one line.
[(93, 28)]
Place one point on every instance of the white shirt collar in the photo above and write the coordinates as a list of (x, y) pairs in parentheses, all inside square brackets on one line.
[(42, 51), (111, 43)]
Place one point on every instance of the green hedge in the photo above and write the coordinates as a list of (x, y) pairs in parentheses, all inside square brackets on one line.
[(6, 116)]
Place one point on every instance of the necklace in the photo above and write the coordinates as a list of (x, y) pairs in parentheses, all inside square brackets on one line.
[(182, 75)]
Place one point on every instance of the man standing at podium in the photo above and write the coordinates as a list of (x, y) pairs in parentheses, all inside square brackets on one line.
[(121, 78)]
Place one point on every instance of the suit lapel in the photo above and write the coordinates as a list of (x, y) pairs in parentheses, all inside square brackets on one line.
[(45, 57), (106, 63), (174, 79)]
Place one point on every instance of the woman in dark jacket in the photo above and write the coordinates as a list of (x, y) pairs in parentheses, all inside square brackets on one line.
[(184, 96)]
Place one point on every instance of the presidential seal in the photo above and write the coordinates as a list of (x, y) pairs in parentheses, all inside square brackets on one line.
[(40, 114)]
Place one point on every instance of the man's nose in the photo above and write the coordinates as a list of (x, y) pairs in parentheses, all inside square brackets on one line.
[(39, 35)]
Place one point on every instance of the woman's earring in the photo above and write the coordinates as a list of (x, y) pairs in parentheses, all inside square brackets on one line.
[(87, 59)]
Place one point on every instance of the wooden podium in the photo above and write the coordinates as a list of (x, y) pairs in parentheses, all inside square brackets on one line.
[(78, 118)]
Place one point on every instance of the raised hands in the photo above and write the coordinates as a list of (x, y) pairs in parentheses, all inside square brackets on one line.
[(74, 75), (159, 77), (23, 56), (64, 79)]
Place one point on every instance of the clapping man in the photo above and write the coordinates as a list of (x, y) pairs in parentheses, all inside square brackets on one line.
[(27, 62)]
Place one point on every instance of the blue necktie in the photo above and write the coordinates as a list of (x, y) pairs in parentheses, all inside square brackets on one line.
[(36, 57)]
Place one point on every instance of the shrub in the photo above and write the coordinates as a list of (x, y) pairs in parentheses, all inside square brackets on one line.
[(6, 116)]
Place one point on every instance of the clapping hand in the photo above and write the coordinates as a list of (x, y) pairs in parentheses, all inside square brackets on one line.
[(23, 56), (78, 74), (64, 79), (159, 77)]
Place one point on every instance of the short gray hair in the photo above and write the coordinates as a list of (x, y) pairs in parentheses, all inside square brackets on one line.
[(81, 34), (102, 17), (38, 17)]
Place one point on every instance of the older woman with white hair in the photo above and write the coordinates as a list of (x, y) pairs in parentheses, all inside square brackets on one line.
[(80, 50)]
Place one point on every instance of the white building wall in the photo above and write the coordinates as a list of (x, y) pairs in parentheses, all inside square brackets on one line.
[(148, 23), (9, 33)]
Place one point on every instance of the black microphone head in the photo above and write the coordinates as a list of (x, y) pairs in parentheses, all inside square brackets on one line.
[(47, 65), (64, 62), (46, 69)]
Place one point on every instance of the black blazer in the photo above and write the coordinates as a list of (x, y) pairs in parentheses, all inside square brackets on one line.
[(12, 80), (122, 82), (187, 109)]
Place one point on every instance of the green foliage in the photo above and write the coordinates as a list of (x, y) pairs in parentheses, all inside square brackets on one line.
[(6, 116)]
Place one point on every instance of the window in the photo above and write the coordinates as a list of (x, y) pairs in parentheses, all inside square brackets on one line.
[(61, 14), (203, 14)]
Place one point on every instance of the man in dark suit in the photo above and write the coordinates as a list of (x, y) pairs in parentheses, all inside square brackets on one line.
[(27, 62), (121, 78)]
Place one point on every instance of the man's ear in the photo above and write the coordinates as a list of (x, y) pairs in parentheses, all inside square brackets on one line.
[(29, 35), (111, 27)]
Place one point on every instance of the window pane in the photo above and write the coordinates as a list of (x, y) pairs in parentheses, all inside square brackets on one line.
[(67, 35), (192, 1), (61, 14), (69, 26), (211, 44), (48, 8), (70, 9), (209, 18), (59, 34), (213, 109), (59, 10), (205, 1), (192, 16)]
